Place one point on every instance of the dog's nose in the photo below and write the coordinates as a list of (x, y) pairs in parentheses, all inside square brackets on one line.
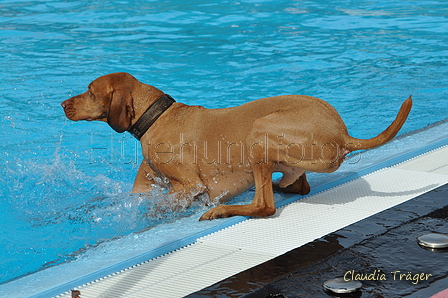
[(64, 104)]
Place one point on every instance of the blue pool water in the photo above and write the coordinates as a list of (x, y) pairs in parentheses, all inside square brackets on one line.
[(64, 186)]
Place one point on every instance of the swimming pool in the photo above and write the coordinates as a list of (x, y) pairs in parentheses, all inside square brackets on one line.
[(65, 186)]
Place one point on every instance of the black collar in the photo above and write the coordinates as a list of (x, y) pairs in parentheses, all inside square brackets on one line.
[(151, 115)]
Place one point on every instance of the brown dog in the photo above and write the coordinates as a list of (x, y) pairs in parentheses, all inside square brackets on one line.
[(223, 152)]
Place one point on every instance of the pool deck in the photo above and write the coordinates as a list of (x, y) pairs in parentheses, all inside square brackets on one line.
[(208, 266)]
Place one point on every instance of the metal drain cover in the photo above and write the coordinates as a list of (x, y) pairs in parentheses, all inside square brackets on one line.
[(433, 240), (340, 286)]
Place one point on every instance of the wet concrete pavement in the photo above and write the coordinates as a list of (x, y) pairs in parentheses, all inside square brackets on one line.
[(382, 248)]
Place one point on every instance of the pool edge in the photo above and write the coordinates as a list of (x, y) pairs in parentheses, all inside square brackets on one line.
[(175, 245)]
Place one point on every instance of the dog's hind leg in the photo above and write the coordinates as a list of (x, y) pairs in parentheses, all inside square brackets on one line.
[(299, 186), (263, 203)]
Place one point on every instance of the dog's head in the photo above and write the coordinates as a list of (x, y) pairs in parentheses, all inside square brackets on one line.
[(108, 99)]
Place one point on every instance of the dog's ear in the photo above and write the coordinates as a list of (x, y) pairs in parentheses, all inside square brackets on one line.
[(121, 111)]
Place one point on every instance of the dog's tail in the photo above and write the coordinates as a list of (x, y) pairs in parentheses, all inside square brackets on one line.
[(353, 144)]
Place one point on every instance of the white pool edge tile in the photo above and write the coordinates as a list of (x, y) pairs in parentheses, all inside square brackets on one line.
[(232, 250)]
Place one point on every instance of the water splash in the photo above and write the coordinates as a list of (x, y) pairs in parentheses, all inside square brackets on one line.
[(64, 212)]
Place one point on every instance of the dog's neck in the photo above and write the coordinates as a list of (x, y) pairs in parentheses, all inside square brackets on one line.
[(151, 115)]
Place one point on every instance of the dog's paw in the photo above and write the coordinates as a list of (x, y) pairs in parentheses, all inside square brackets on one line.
[(217, 212)]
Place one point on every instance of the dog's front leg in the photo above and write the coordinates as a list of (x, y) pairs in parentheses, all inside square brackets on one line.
[(263, 203), (143, 182)]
